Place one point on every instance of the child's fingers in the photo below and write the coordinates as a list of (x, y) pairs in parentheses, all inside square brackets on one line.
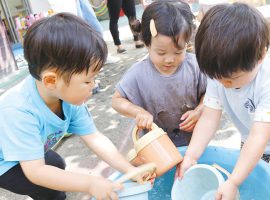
[(181, 173), (186, 124), (189, 129), (218, 196), (177, 172), (117, 186), (149, 124), (185, 115), (184, 166), (141, 123), (113, 196)]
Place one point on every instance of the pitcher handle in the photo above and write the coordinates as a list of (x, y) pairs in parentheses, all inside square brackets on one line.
[(149, 167), (135, 136)]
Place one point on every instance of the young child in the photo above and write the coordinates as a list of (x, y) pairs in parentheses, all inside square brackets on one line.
[(167, 86), (64, 54), (231, 45)]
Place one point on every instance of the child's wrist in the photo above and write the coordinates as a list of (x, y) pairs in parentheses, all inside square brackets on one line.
[(233, 181), (192, 158)]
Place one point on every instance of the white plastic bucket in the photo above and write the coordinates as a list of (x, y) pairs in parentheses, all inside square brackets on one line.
[(135, 191), (200, 182)]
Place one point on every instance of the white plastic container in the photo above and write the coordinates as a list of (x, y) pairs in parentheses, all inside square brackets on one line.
[(200, 182), (133, 190)]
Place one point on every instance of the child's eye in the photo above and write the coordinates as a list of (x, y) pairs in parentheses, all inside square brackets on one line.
[(87, 82), (179, 52), (161, 54)]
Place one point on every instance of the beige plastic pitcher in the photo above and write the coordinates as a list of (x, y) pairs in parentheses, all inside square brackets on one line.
[(156, 147)]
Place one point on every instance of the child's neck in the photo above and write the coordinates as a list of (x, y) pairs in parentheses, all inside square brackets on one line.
[(53, 103)]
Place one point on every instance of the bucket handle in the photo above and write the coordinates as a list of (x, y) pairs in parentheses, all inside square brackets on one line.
[(218, 167), (149, 167), (135, 135)]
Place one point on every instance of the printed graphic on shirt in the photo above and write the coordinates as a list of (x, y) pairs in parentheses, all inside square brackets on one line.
[(249, 104), (52, 139)]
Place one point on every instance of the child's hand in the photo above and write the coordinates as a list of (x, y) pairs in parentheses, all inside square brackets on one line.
[(227, 191), (190, 118), (184, 166), (102, 188), (147, 176), (144, 119)]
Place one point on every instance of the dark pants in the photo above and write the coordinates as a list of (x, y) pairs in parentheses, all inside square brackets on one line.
[(114, 7), (15, 181), (265, 157)]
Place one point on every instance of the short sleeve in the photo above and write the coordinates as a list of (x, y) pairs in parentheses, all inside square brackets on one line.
[(128, 86), (212, 99), (202, 83), (262, 112), (20, 135), (81, 121)]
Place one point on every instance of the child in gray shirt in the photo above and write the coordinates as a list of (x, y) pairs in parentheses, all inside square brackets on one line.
[(167, 87)]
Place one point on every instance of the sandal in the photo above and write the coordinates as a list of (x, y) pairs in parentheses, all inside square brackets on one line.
[(121, 50), (139, 46)]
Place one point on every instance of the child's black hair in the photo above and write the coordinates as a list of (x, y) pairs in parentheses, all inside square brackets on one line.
[(65, 43), (231, 38), (172, 18)]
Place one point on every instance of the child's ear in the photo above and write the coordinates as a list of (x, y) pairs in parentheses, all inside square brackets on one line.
[(49, 79)]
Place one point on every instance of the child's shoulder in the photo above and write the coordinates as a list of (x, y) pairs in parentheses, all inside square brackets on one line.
[(16, 97), (191, 62), (263, 75), (191, 59), (141, 65)]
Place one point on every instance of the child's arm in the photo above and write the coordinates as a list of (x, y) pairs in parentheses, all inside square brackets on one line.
[(202, 134), (250, 155), (190, 118), (143, 118), (55, 178), (106, 150)]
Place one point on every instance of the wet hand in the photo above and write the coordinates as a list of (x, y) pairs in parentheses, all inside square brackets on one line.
[(144, 119), (103, 189), (187, 162), (227, 191)]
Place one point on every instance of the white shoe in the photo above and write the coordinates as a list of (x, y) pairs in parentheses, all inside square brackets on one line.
[(111, 59)]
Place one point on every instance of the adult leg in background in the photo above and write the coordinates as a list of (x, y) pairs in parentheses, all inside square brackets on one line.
[(114, 7), (134, 24)]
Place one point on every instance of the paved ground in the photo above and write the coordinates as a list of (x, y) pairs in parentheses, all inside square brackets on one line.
[(117, 128)]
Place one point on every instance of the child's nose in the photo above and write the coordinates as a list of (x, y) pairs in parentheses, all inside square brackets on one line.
[(169, 59)]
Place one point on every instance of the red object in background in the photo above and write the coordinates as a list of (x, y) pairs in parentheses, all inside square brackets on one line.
[(121, 14)]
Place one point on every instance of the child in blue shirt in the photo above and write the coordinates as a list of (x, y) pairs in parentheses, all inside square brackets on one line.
[(167, 87), (231, 45), (64, 54)]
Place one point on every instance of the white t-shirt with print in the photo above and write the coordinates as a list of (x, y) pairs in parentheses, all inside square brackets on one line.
[(245, 105)]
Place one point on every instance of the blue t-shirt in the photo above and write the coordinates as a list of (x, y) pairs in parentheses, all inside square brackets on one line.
[(29, 128)]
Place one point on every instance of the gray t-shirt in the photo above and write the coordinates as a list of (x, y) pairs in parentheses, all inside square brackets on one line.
[(167, 98)]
